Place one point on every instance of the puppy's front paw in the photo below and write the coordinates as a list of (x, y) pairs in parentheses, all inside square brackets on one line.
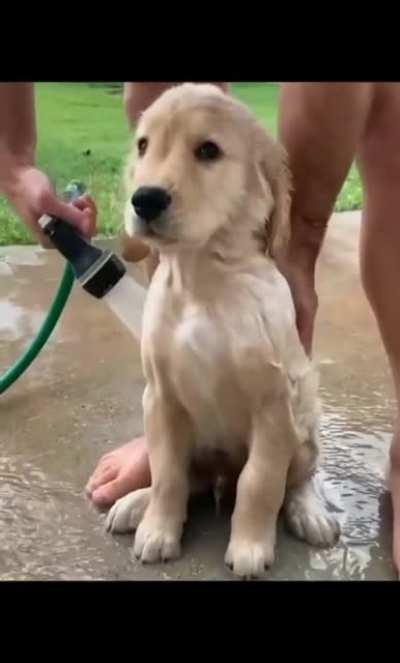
[(248, 559), (156, 542), (127, 512)]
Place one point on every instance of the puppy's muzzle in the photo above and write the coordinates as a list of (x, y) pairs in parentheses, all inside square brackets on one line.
[(149, 202)]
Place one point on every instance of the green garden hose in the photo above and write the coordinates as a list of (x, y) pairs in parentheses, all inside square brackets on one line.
[(56, 308), (8, 378)]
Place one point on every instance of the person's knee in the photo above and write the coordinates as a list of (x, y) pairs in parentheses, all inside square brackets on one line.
[(139, 96), (132, 248), (320, 126), (224, 86), (379, 150), (331, 115)]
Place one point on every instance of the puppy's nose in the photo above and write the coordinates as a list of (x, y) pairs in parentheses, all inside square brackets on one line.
[(150, 201)]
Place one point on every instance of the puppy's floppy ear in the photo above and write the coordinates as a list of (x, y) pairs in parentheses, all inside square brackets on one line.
[(275, 178)]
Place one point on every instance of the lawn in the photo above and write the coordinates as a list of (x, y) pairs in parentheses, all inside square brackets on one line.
[(83, 135)]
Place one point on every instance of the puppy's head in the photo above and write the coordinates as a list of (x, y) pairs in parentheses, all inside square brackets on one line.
[(201, 163)]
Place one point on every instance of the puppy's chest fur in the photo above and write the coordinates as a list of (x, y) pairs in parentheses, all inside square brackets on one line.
[(215, 340)]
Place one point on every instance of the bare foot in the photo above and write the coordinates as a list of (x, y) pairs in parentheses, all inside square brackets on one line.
[(119, 472), (395, 491)]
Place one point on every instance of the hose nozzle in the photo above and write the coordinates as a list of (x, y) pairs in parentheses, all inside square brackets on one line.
[(97, 270)]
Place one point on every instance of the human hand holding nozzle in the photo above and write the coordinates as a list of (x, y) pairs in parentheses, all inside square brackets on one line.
[(97, 270)]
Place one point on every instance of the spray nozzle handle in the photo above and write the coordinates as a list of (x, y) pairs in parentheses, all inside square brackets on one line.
[(98, 271), (80, 254)]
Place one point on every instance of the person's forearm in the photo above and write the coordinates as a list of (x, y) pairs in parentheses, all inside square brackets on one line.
[(17, 123), (27, 188)]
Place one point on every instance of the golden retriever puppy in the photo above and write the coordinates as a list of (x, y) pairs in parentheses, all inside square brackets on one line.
[(228, 384)]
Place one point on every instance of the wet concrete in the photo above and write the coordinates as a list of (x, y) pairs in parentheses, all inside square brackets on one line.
[(82, 397)]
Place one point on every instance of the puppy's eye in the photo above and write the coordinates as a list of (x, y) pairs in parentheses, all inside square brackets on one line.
[(142, 146), (208, 151)]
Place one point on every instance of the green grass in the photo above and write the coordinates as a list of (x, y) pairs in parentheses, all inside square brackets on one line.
[(83, 135)]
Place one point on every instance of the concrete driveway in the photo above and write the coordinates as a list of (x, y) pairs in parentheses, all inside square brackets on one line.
[(82, 397)]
